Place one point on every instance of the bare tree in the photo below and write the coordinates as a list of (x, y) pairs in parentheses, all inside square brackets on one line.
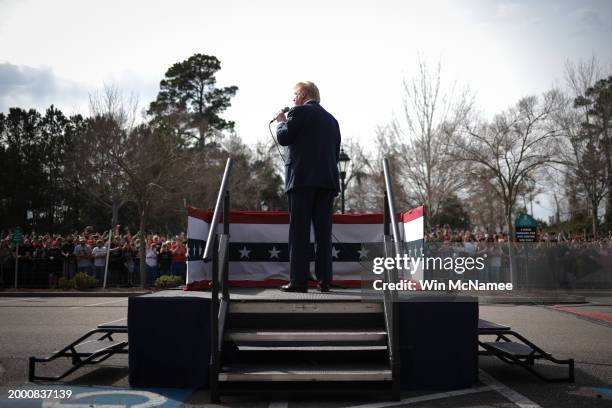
[(152, 167), (119, 161), (364, 183), (485, 206), (254, 178), (111, 102), (580, 76), (387, 148), (585, 162), (553, 180), (107, 130), (587, 152), (511, 148), (424, 136)]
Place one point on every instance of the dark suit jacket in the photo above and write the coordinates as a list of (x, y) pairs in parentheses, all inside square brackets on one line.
[(313, 137)]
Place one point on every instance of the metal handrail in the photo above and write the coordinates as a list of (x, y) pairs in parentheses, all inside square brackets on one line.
[(391, 203), (217, 251), (390, 298), (219, 305), (217, 213)]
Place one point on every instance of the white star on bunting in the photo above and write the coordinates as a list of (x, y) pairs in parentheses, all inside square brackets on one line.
[(244, 252), (274, 252), (335, 252), (363, 253)]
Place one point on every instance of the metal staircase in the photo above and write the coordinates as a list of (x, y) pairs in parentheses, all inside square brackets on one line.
[(92, 348), (513, 348), (303, 345)]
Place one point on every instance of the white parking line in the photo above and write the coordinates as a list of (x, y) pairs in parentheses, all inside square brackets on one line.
[(518, 399), (423, 398), (98, 304)]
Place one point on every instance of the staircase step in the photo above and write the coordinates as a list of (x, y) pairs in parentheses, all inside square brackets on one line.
[(313, 348), (345, 372), (304, 307), (306, 355), (511, 347), (331, 321), (254, 336), (93, 346)]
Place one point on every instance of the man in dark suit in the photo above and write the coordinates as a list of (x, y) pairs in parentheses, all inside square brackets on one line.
[(311, 181)]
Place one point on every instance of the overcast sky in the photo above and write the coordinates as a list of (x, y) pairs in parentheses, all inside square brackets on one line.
[(356, 51)]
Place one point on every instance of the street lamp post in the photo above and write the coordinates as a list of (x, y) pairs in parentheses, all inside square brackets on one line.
[(343, 161)]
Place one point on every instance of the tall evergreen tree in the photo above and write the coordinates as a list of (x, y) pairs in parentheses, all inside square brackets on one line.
[(21, 137), (54, 144), (598, 98), (189, 101)]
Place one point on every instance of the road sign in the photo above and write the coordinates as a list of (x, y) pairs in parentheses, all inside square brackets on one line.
[(526, 228), (17, 238), (17, 235)]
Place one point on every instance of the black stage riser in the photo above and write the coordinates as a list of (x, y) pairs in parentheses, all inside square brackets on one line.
[(439, 345), (169, 337)]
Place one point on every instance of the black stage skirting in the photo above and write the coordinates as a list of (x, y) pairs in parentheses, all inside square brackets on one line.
[(439, 344), (169, 338), (170, 342)]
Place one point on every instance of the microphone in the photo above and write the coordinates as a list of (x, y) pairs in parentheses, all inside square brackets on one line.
[(284, 110)]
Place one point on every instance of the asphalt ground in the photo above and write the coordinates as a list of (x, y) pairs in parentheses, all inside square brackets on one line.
[(38, 326)]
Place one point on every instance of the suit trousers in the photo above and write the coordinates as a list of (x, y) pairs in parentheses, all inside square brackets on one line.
[(310, 205)]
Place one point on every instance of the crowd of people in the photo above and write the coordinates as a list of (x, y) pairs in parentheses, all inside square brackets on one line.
[(447, 234), (554, 260), (44, 258)]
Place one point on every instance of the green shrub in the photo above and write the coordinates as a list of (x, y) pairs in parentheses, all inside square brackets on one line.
[(84, 281), (64, 283), (168, 281)]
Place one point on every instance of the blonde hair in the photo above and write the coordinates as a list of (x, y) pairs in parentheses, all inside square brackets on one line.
[(310, 89)]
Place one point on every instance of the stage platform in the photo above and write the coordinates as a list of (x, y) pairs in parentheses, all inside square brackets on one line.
[(269, 295), (169, 337), (344, 294)]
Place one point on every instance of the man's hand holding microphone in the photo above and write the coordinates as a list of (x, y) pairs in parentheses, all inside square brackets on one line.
[(280, 116)]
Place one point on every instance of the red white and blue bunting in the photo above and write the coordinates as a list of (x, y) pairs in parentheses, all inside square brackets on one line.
[(258, 250)]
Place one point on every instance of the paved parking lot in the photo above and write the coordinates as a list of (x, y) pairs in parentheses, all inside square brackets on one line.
[(37, 326)]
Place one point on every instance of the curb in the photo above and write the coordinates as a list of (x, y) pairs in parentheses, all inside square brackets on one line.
[(594, 293), (546, 300), (73, 294), (598, 318)]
